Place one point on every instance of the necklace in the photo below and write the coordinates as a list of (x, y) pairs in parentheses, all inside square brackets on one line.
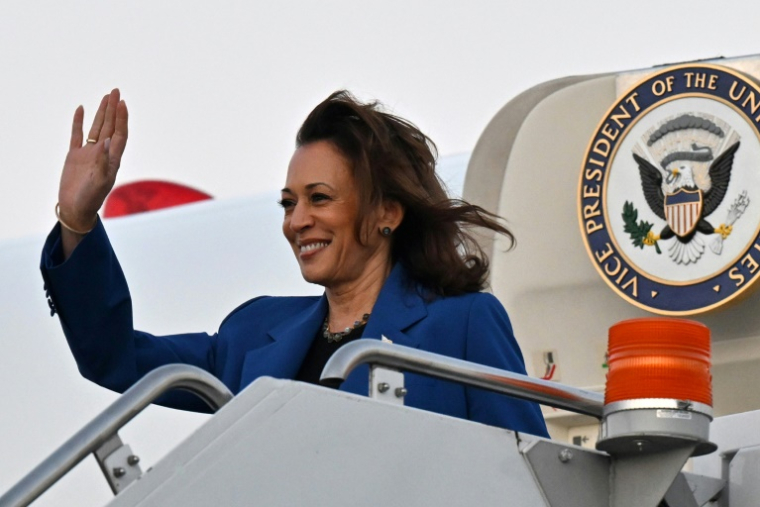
[(336, 337)]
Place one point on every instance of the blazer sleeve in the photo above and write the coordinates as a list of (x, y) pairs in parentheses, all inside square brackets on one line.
[(90, 294), (490, 341)]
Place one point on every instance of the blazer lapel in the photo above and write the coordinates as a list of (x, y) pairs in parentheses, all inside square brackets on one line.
[(397, 308), (290, 342)]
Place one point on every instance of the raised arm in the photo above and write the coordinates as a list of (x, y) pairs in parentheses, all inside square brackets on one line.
[(89, 171)]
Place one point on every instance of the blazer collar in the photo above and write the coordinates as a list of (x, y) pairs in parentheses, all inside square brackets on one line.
[(303, 324), (398, 306), (291, 340)]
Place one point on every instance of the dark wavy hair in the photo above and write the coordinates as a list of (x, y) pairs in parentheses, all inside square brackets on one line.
[(392, 160)]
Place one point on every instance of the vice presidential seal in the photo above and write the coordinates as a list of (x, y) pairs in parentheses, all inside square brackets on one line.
[(669, 197)]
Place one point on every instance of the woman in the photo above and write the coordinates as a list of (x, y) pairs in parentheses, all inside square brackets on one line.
[(366, 218)]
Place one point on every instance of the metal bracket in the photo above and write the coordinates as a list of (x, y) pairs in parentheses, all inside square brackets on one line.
[(680, 494), (569, 475), (118, 463), (386, 385), (693, 490)]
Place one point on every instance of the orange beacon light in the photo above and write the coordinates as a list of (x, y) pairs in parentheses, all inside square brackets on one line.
[(659, 387), (659, 358)]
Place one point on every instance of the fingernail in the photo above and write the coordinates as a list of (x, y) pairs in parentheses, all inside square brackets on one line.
[(107, 144)]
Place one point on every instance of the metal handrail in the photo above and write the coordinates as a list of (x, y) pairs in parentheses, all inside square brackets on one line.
[(173, 376), (375, 352)]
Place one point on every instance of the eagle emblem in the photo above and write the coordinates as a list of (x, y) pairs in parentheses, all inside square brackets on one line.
[(685, 165)]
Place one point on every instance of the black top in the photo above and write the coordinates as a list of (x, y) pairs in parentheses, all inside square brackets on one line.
[(320, 351)]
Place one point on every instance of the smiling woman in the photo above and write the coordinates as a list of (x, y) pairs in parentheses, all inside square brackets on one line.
[(367, 219), (321, 203)]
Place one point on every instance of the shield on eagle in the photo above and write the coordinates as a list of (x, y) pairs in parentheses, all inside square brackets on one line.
[(683, 209)]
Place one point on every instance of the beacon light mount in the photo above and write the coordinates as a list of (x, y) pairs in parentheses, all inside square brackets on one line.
[(649, 441), (655, 424)]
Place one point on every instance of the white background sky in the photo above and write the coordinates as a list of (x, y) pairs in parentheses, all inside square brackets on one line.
[(217, 90)]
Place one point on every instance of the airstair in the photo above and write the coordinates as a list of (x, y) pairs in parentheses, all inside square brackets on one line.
[(287, 443)]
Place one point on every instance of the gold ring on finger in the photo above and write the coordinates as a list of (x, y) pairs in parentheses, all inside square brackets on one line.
[(91, 140)]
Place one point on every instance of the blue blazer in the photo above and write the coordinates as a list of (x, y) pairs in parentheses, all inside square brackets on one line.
[(271, 336)]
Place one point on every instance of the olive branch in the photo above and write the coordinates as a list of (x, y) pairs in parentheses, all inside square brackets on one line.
[(637, 230)]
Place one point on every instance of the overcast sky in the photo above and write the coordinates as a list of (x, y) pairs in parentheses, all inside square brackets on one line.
[(217, 90)]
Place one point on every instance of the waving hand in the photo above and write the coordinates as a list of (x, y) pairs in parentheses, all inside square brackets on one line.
[(89, 171)]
